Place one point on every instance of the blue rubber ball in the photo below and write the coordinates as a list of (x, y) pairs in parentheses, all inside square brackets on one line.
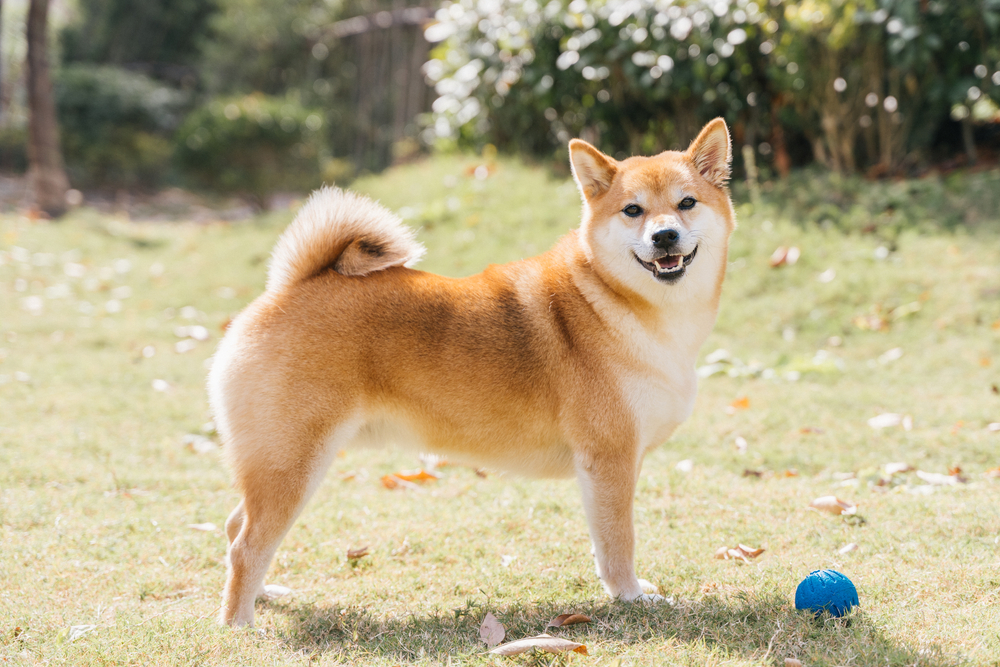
[(826, 590)]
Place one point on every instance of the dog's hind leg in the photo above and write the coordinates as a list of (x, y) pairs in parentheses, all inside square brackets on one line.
[(276, 482)]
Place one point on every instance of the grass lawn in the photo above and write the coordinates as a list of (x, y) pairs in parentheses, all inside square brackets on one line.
[(112, 497)]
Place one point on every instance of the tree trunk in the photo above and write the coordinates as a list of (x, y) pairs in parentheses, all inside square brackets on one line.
[(1, 62), (45, 172)]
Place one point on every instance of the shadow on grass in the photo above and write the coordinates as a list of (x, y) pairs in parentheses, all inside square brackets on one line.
[(747, 626)]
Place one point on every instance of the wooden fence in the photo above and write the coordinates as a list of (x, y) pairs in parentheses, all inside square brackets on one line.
[(389, 50)]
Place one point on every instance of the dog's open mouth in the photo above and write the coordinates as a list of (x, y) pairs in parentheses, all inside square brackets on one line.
[(669, 267)]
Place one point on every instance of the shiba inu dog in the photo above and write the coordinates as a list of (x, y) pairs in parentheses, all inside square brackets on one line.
[(572, 363)]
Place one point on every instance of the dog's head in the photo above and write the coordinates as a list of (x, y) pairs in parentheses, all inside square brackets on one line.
[(658, 224)]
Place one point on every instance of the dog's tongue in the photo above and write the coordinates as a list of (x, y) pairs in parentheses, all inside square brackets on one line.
[(669, 262)]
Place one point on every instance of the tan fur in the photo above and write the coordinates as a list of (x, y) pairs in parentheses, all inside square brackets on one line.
[(575, 362)]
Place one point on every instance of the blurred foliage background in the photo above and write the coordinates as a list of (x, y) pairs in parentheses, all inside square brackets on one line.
[(259, 96)]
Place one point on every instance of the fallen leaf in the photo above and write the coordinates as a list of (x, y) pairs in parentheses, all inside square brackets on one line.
[(393, 481), (885, 420), (492, 631), (205, 527), (567, 619), (955, 470), (742, 553), (834, 505), (747, 472), (77, 631), (199, 444), (897, 467), (890, 356), (905, 310), (783, 255), (355, 554), (419, 475), (274, 592), (741, 403), (791, 472), (938, 479), (542, 642), (432, 461), (847, 548)]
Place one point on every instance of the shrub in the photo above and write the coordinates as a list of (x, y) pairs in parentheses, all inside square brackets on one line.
[(254, 145), (856, 83), (116, 125)]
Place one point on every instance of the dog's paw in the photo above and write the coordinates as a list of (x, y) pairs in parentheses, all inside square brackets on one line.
[(648, 587), (272, 592)]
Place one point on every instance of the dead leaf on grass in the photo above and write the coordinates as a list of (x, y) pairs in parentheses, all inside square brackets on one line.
[(355, 554), (741, 554), (204, 527), (833, 505), (889, 419), (419, 475), (897, 467), (937, 479), (782, 256), (542, 642), (432, 461), (741, 403), (791, 472), (406, 479), (492, 631), (567, 619)]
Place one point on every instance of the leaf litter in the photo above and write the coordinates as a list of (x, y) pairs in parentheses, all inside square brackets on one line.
[(568, 619), (543, 642), (741, 554), (492, 631), (833, 505)]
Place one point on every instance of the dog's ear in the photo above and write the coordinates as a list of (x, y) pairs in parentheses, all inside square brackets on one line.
[(592, 169), (712, 152)]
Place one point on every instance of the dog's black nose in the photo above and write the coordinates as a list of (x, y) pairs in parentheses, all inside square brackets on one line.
[(665, 238)]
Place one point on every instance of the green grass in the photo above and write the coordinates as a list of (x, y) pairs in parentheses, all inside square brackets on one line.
[(97, 489)]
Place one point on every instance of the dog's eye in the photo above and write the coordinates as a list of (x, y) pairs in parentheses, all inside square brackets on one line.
[(632, 210), (687, 203)]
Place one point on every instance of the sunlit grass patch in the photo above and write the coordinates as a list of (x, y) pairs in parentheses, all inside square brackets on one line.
[(107, 463)]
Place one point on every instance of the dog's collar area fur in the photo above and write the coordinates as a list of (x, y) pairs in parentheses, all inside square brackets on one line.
[(668, 268)]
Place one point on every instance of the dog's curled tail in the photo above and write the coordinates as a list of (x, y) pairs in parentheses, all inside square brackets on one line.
[(342, 231)]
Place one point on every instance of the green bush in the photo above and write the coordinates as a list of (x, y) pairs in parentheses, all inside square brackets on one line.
[(254, 145), (116, 125), (851, 84), (14, 147)]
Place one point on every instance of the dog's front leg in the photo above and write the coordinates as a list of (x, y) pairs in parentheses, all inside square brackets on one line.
[(608, 485)]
